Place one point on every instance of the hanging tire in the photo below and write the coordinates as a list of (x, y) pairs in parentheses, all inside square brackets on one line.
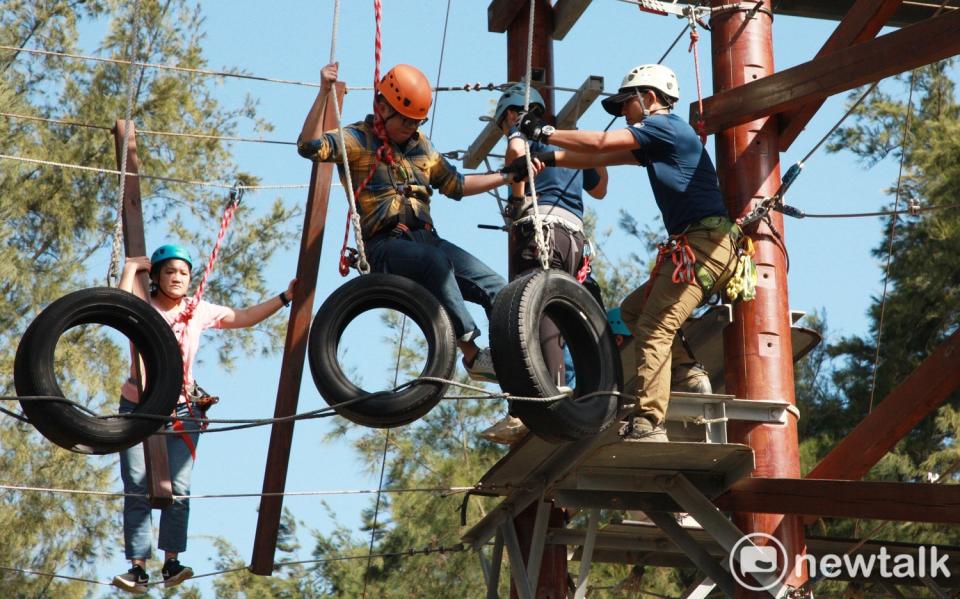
[(370, 292), (70, 427), (521, 369)]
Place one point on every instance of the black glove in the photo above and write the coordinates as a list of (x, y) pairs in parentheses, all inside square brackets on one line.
[(517, 168), (532, 126)]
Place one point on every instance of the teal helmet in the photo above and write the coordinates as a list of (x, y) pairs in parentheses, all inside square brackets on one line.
[(514, 96), (170, 252), (617, 326)]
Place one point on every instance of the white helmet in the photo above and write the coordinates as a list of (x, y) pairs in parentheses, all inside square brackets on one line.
[(649, 76)]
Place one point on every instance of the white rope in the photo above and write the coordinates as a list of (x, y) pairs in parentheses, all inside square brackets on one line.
[(362, 264), (108, 171), (542, 250), (113, 271)]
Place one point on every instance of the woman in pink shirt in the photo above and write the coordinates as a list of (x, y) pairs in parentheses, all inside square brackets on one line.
[(169, 269)]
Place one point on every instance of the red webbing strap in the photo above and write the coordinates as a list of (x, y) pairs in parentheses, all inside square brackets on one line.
[(187, 313)]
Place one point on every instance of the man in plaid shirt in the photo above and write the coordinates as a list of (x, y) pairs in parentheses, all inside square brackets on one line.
[(394, 205)]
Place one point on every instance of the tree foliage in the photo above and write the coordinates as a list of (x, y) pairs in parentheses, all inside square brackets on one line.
[(57, 225)]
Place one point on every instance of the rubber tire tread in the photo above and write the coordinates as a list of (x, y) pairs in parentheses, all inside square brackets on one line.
[(521, 369), (370, 292), (34, 370)]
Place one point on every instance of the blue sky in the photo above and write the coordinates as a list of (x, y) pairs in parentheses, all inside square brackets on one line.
[(831, 263)]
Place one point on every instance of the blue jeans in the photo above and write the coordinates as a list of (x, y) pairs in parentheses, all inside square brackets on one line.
[(137, 522), (449, 272)]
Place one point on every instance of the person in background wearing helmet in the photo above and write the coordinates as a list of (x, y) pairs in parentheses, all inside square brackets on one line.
[(169, 269), (687, 192), (394, 207), (560, 203)]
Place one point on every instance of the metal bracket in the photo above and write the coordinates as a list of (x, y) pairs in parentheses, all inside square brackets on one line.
[(518, 571)]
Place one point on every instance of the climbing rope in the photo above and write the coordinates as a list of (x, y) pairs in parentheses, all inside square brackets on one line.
[(113, 272), (694, 40), (543, 252)]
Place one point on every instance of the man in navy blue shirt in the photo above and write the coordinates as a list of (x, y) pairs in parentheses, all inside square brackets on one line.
[(685, 186), (560, 204)]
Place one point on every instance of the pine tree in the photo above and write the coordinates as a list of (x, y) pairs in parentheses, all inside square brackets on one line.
[(56, 219)]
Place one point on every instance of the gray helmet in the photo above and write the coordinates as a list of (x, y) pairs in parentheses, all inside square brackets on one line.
[(645, 76), (514, 96)]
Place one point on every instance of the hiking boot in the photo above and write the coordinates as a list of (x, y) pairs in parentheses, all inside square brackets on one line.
[(639, 428), (174, 573), (133, 580), (508, 431), (481, 368)]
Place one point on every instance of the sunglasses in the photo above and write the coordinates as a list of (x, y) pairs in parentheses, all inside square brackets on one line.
[(407, 121)]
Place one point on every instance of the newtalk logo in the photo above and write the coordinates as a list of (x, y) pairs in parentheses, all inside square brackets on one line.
[(767, 564)]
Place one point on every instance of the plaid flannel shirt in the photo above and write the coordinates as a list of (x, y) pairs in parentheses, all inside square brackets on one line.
[(419, 169)]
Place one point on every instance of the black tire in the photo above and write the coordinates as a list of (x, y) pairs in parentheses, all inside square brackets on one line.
[(519, 363), (70, 427), (370, 292)]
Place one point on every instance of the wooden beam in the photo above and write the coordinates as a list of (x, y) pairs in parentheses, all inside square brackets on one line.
[(578, 104), (159, 487), (863, 22), (566, 13), (909, 48), (927, 387), (482, 145), (500, 13), (907, 502), (294, 352)]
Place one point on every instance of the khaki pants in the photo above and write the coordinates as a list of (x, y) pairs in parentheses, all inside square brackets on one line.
[(655, 322)]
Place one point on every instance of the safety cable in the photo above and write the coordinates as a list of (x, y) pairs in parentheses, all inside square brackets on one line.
[(440, 549), (443, 48), (109, 171), (893, 228), (913, 209), (399, 490), (113, 270), (674, 44)]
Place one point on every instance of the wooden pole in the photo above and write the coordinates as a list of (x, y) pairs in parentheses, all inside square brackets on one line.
[(757, 345), (159, 487), (294, 352)]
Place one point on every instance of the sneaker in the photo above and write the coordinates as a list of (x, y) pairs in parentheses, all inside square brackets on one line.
[(508, 431), (481, 368), (133, 581), (638, 428), (174, 573)]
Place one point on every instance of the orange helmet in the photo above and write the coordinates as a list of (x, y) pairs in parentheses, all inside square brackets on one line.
[(407, 90)]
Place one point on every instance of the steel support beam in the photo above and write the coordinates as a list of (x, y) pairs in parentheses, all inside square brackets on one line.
[(692, 549), (862, 22), (758, 349), (699, 589), (518, 570), (586, 556), (908, 502), (294, 352), (159, 487), (927, 387), (926, 42)]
